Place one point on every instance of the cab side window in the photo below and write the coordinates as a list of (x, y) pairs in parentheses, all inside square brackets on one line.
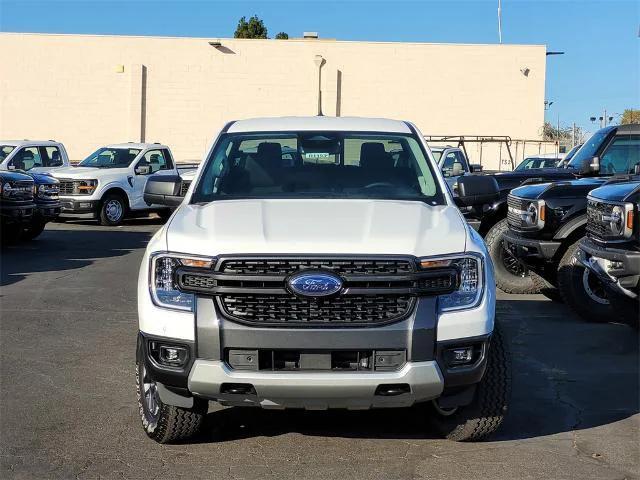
[(26, 159), (621, 155), (452, 166), (51, 156), (156, 159)]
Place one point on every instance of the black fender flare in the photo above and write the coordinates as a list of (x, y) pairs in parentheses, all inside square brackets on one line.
[(571, 227)]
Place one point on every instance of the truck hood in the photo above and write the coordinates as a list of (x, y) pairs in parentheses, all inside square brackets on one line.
[(509, 180), (578, 188), (319, 226), (85, 173), (618, 192), (42, 178)]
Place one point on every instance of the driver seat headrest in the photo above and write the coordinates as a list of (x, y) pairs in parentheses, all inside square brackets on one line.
[(373, 155)]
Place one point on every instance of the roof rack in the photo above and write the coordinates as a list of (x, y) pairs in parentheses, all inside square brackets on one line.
[(481, 139)]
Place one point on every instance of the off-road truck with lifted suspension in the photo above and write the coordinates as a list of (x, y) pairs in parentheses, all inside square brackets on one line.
[(548, 220), (611, 248), (337, 277), (512, 275)]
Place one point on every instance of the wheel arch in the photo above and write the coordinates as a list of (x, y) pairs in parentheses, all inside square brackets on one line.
[(489, 219), (118, 190)]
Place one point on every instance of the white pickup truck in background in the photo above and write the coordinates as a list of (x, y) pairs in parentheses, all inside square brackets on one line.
[(109, 183), (35, 156)]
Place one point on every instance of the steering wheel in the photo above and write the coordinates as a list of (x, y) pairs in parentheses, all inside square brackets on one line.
[(379, 184)]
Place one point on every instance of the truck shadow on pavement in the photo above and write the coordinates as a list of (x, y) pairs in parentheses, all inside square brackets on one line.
[(66, 248), (567, 375)]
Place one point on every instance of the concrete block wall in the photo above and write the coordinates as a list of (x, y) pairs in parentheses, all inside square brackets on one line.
[(89, 90)]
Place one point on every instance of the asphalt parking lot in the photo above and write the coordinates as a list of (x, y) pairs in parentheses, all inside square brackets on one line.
[(68, 408)]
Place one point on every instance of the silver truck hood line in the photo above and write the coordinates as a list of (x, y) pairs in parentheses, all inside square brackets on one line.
[(316, 227)]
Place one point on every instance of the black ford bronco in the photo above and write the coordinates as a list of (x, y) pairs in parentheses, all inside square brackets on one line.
[(548, 220)]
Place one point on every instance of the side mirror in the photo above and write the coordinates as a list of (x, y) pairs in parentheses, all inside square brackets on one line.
[(475, 167), (590, 166), (142, 170), (163, 190), (476, 190), (636, 169)]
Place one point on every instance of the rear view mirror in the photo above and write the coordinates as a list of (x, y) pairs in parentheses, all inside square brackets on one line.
[(476, 190), (163, 190), (590, 166)]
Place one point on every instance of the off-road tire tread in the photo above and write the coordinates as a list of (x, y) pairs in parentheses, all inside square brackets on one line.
[(484, 416), (565, 287), (175, 423), (545, 287), (504, 283)]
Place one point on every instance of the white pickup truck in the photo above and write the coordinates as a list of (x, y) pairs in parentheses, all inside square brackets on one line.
[(340, 276), (35, 156), (109, 183)]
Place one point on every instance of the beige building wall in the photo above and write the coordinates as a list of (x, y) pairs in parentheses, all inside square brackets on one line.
[(87, 90)]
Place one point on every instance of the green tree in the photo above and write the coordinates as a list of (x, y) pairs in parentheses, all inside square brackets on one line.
[(254, 28), (282, 36), (630, 116)]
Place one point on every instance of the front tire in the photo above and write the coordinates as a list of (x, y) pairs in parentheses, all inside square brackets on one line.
[(112, 210), (485, 414), (581, 289), (33, 230), (511, 276), (628, 309), (161, 422)]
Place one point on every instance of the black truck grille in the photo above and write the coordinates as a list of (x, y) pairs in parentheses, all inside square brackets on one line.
[(596, 227), (66, 187), (375, 290), (514, 219), (339, 266), (184, 187), (21, 191), (288, 309)]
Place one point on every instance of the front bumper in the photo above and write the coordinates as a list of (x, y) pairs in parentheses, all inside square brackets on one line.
[(618, 269), (76, 206), (533, 252), (17, 213), (206, 373), (48, 210), (317, 390)]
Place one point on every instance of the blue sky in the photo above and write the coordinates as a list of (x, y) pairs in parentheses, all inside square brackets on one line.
[(600, 68)]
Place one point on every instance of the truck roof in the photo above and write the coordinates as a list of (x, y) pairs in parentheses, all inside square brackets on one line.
[(141, 146), (37, 143), (321, 123)]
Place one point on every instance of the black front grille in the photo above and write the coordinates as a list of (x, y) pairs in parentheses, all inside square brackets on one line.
[(66, 187), (596, 227), (21, 191), (374, 290), (288, 309), (515, 219), (184, 187), (338, 266)]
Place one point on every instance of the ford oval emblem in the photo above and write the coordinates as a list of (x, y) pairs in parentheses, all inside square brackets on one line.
[(315, 284)]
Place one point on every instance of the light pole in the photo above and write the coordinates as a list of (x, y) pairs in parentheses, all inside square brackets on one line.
[(319, 61), (604, 120)]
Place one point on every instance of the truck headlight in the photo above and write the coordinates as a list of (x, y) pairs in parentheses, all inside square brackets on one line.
[(162, 281), (471, 285), (6, 190), (620, 220), (534, 215), (48, 191), (84, 187)]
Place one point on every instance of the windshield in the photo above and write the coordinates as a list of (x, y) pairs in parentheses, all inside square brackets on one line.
[(437, 155), (318, 165), (537, 162), (110, 158), (5, 150), (588, 149)]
